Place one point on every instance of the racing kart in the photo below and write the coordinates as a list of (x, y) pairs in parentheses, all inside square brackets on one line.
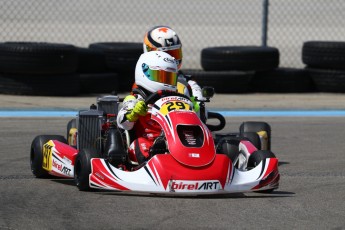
[(193, 160)]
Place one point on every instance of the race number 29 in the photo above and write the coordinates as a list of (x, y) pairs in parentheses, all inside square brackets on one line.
[(176, 105)]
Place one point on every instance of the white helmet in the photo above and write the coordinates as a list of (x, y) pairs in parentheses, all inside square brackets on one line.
[(156, 70), (163, 38)]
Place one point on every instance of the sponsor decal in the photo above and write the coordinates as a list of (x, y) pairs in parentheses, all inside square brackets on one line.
[(169, 60), (68, 160), (194, 155), (99, 176), (61, 168), (174, 98), (205, 186)]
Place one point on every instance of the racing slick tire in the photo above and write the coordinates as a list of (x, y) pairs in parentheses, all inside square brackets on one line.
[(82, 168), (256, 158), (263, 129), (71, 130), (247, 58), (36, 153)]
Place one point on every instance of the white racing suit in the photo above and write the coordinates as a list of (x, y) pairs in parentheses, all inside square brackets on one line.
[(146, 130)]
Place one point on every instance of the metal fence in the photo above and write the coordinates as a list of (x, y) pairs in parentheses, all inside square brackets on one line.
[(199, 23)]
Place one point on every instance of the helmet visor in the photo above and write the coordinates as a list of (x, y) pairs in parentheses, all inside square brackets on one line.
[(177, 54), (162, 76), (175, 51)]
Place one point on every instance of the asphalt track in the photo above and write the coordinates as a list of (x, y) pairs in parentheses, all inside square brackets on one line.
[(311, 193)]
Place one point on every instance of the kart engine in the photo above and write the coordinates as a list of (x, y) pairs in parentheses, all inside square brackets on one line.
[(90, 122)]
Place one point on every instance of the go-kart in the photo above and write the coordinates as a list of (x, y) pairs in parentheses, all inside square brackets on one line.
[(193, 160)]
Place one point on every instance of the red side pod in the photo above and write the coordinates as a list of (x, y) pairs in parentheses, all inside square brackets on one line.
[(65, 151), (166, 168)]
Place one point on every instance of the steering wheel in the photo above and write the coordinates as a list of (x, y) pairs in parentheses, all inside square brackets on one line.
[(163, 93)]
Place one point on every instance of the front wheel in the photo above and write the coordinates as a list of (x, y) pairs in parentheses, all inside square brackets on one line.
[(82, 168), (36, 153)]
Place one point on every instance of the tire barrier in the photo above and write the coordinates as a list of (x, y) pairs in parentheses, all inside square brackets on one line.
[(244, 58), (50, 69), (99, 83), (37, 58), (223, 81), (40, 85), (91, 61), (328, 80), (324, 54), (282, 80), (325, 63), (121, 57)]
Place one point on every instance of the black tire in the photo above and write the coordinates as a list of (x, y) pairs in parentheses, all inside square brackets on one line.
[(36, 153), (328, 80), (37, 58), (229, 146), (282, 80), (71, 124), (121, 57), (245, 58), (324, 54), (99, 83), (257, 126), (91, 61), (258, 156), (82, 168), (223, 81), (39, 85)]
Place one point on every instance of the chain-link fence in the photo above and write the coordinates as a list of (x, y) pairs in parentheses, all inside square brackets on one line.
[(199, 23)]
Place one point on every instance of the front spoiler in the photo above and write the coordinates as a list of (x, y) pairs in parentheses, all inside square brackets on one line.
[(162, 174)]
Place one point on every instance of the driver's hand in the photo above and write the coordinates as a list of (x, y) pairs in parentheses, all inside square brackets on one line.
[(140, 109)]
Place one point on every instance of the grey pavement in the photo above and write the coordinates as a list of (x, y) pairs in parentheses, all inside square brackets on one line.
[(219, 101)]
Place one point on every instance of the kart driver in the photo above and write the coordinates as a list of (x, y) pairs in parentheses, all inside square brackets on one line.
[(163, 38), (154, 71)]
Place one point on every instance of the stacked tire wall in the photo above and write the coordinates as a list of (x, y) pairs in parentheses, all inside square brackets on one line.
[(325, 63), (243, 69), (50, 69)]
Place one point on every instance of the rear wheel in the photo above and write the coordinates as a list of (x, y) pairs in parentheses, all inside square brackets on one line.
[(82, 168), (253, 137), (36, 153), (262, 129)]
